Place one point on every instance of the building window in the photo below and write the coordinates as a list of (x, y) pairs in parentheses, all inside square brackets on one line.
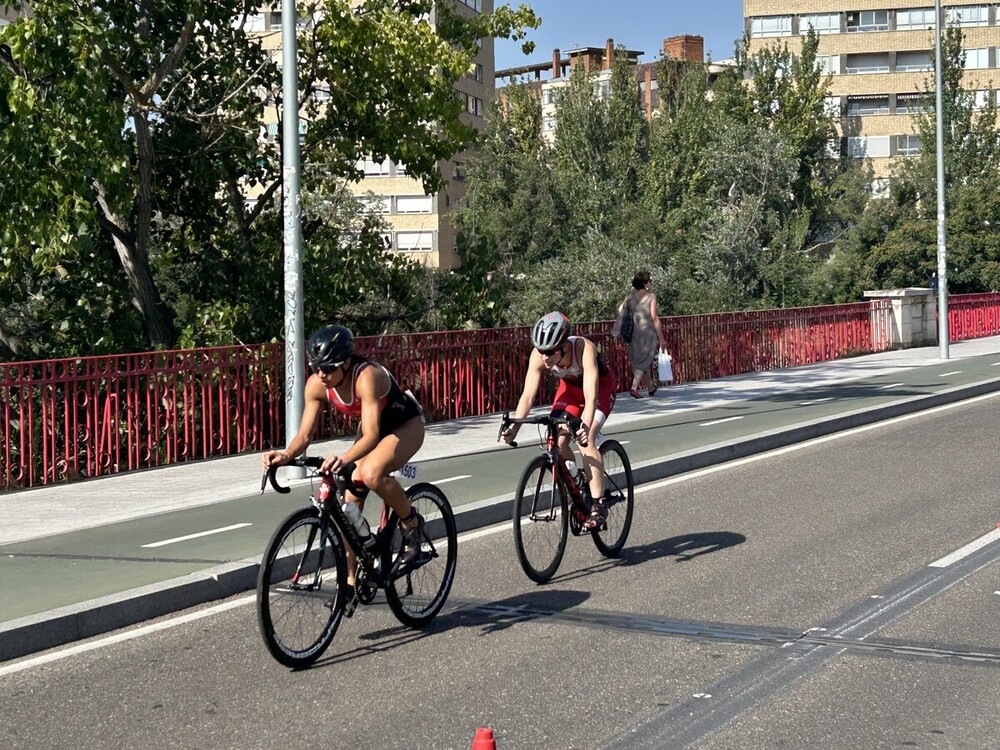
[(868, 63), (379, 204), (476, 5), (548, 96), (910, 104), (374, 168), (275, 22), (321, 94), (832, 150), (871, 146), (477, 72), (969, 15), (868, 20), (829, 64), (880, 187), (915, 18), (907, 145), (771, 26), (908, 62), (860, 106), (976, 59), (548, 124), (979, 99), (414, 241), (831, 106), (414, 204), (821, 23)]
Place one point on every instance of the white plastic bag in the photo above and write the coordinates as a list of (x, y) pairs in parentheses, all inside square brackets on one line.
[(664, 366)]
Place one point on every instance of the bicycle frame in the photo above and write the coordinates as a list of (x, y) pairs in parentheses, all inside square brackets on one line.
[(333, 512)]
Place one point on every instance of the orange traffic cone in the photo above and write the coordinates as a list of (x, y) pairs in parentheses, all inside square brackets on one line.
[(484, 739)]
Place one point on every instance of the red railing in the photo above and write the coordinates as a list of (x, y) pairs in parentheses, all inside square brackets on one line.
[(972, 316), (73, 418)]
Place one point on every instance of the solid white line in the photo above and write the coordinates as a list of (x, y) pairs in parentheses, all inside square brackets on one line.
[(816, 401), (718, 421), (887, 387), (452, 479), (946, 374), (83, 648), (967, 550), (195, 536), (472, 535), (995, 364), (808, 444)]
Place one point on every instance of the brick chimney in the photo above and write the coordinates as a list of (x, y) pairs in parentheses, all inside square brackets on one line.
[(556, 63), (609, 54), (685, 48)]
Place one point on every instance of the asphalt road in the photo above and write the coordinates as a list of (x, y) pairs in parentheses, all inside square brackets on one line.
[(80, 566), (805, 598)]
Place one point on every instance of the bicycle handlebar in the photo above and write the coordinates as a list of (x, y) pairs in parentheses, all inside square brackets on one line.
[(341, 477), (574, 423)]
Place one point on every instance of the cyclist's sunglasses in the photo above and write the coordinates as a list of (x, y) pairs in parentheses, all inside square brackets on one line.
[(327, 369), (550, 352)]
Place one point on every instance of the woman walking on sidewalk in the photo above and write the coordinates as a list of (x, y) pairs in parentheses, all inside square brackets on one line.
[(646, 332)]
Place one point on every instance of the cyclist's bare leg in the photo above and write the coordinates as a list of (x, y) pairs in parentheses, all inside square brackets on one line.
[(592, 459), (391, 453)]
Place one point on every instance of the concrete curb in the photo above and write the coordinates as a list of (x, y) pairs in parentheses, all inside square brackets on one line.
[(29, 635)]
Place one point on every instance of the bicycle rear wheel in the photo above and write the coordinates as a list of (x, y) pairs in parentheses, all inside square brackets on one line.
[(301, 589), (540, 521), (416, 594), (621, 491)]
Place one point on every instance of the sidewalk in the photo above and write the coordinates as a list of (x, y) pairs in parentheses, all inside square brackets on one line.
[(116, 498), (40, 512)]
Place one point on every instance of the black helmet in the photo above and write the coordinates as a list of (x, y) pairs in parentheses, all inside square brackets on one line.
[(330, 347)]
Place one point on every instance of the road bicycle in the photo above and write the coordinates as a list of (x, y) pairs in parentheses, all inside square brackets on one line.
[(550, 501), (302, 590)]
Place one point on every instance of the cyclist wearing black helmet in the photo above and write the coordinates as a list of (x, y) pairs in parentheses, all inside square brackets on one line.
[(391, 423), (586, 391)]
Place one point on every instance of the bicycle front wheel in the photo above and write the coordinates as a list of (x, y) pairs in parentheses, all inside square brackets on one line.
[(621, 493), (415, 594), (301, 589), (541, 521)]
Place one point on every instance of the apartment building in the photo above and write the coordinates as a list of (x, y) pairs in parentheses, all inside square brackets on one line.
[(420, 224), (878, 53), (546, 78)]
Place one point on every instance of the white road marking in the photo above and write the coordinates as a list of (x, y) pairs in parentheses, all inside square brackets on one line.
[(718, 421), (452, 479), (891, 385), (816, 401), (995, 364), (967, 550), (953, 372), (195, 536), (470, 536), (83, 648)]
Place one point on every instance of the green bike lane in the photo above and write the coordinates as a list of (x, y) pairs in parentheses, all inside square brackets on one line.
[(66, 571)]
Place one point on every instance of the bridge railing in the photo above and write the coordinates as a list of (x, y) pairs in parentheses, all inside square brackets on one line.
[(69, 419)]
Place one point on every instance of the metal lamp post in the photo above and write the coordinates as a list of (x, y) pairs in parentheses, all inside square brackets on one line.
[(292, 233), (942, 265)]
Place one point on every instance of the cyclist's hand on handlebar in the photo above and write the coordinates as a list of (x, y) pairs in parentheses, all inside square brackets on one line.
[(331, 464), (274, 458), (510, 433), (582, 435)]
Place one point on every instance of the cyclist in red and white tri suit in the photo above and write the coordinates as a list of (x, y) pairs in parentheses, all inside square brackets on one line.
[(586, 391)]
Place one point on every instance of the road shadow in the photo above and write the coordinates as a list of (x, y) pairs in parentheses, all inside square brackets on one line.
[(490, 617), (684, 547)]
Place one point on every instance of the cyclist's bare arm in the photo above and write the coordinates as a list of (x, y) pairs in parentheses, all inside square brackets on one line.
[(315, 395), (532, 379), (367, 386), (591, 376)]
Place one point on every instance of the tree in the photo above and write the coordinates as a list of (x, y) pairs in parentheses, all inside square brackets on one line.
[(137, 126)]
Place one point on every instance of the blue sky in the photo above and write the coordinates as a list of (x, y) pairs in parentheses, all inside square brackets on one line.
[(637, 24)]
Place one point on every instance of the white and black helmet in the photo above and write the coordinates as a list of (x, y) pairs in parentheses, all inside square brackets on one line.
[(551, 330)]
